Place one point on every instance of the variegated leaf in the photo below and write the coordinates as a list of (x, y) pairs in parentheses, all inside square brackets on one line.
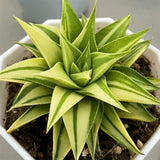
[(136, 52), (32, 94), (101, 62), (31, 114), (79, 121), (81, 78), (124, 43), (31, 48), (61, 144), (87, 34), (49, 49), (125, 89), (100, 90), (136, 112), (62, 101), (113, 31), (70, 23), (93, 135), (153, 80), (59, 76), (137, 77), (112, 125)]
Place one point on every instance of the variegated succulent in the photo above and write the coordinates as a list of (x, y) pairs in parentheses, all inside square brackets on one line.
[(83, 80)]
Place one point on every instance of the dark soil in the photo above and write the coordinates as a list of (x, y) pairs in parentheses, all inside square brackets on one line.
[(34, 139)]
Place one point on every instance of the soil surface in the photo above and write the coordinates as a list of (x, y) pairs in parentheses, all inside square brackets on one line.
[(39, 144)]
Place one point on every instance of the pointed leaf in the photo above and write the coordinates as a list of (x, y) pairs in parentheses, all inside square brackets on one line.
[(79, 121), (154, 81), (93, 135), (87, 34), (113, 31), (32, 94), (136, 52), (84, 20), (125, 89), (31, 48), (101, 62), (112, 125), (69, 53), (81, 78), (100, 90), (136, 112), (123, 44), (49, 49), (62, 101), (70, 23), (137, 77), (59, 76), (31, 114), (74, 68), (61, 145)]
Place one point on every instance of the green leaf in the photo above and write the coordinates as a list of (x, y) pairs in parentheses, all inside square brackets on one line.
[(137, 77), (32, 113), (136, 112), (93, 135), (153, 80), (87, 34), (136, 52), (31, 48), (32, 94), (100, 90), (113, 31), (79, 121), (74, 68), (84, 20), (125, 89), (81, 78), (101, 62), (62, 101), (70, 23), (112, 125), (61, 144), (59, 76), (69, 53), (124, 43), (51, 31), (49, 49)]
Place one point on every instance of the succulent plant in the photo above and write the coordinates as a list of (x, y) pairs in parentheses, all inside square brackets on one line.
[(83, 80)]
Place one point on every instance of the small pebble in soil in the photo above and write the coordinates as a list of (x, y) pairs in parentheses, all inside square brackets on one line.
[(126, 125), (85, 152), (139, 144), (117, 150)]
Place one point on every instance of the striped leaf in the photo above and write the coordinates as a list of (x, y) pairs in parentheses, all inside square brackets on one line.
[(51, 31), (59, 76), (123, 44), (79, 121), (70, 23), (93, 135), (112, 125), (62, 101), (112, 31), (81, 78), (101, 62), (49, 49), (136, 112), (31, 114), (136, 52), (125, 89), (87, 34), (137, 77), (31, 48), (100, 90), (32, 94), (61, 144), (153, 80), (69, 53), (84, 20)]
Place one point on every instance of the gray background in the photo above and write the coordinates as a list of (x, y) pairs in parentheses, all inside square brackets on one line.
[(145, 13)]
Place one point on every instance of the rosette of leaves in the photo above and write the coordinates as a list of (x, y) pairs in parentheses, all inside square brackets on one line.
[(83, 81)]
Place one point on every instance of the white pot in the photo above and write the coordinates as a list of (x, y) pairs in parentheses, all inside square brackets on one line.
[(40, 10), (16, 53)]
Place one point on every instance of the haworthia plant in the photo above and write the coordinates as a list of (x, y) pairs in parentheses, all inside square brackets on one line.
[(83, 81)]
